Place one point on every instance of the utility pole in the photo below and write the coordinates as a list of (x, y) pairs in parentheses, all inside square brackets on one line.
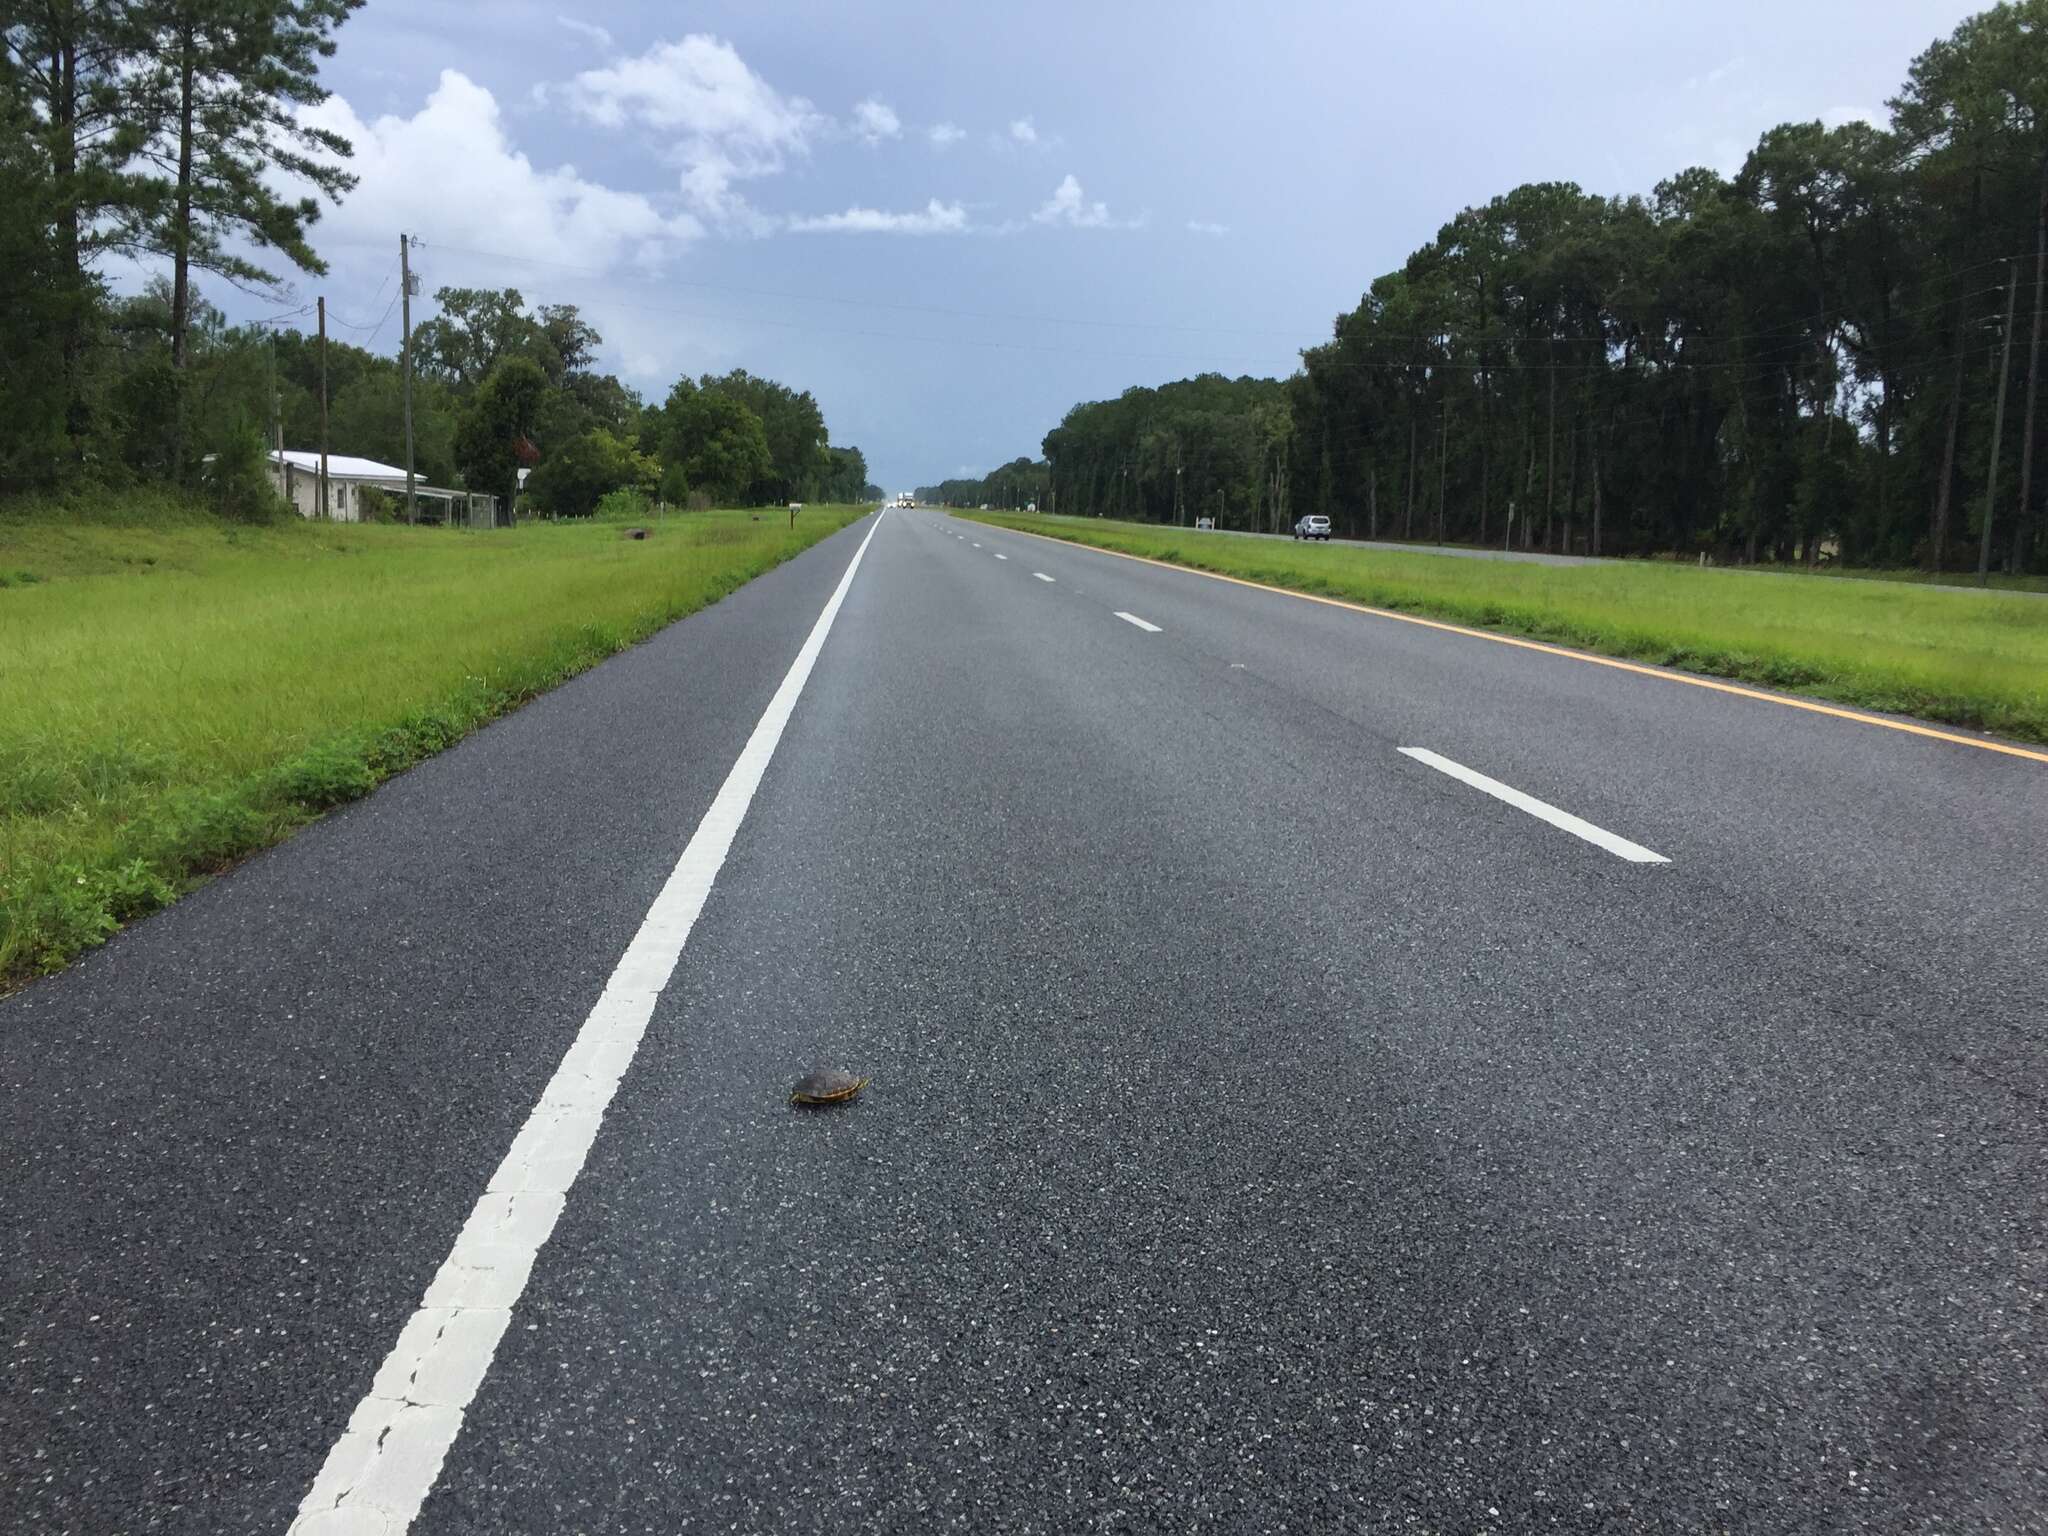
[(2012, 293), (323, 408), (1550, 460), (412, 506), (1443, 459), (1596, 498)]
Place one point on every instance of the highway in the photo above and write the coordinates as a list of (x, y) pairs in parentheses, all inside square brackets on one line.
[(1328, 1073)]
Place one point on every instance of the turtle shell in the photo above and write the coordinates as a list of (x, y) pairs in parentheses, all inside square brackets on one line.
[(826, 1087)]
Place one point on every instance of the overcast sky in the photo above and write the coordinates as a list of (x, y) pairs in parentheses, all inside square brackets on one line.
[(950, 222)]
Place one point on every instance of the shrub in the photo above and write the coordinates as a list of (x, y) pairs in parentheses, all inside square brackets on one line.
[(578, 475), (237, 478), (675, 485), (332, 773), (628, 503)]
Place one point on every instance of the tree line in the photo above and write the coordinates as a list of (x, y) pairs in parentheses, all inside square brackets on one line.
[(1834, 354), (156, 129), (1018, 484)]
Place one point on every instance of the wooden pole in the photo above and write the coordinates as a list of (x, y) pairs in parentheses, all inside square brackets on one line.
[(323, 408), (2019, 518), (1443, 462), (412, 513), (2012, 293)]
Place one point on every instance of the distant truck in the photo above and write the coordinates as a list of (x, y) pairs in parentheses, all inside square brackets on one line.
[(905, 499)]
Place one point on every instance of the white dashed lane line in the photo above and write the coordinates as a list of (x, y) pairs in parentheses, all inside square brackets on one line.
[(1041, 576), (1599, 837), (1132, 618)]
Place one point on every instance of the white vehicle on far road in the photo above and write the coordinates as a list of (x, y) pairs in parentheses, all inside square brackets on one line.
[(1314, 526)]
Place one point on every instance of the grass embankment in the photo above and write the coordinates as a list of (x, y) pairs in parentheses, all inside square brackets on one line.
[(1976, 659), (176, 693)]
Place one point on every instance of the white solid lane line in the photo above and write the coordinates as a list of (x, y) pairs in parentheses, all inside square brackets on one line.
[(1041, 576), (1620, 847), (386, 1462), (1132, 618)]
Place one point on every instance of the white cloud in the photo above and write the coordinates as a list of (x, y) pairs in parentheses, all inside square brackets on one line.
[(449, 172), (1068, 205), (876, 120), (730, 125), (1204, 227), (945, 135), (935, 218), (1023, 131), (588, 29)]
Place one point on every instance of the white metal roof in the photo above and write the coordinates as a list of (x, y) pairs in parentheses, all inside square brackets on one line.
[(340, 466)]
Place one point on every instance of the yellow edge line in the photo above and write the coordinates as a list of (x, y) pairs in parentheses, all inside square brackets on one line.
[(1663, 673)]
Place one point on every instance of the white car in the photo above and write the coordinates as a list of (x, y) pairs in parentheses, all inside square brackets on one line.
[(1314, 526)]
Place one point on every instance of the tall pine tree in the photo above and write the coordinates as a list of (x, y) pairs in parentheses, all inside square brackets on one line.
[(224, 87)]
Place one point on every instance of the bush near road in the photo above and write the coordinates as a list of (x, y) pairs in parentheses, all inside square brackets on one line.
[(176, 692), (1966, 657)]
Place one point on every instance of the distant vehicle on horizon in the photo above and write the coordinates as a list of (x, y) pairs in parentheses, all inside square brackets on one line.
[(1314, 526), (1205, 522)]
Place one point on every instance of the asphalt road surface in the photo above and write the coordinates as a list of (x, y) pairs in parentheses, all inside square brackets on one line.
[(1622, 1110)]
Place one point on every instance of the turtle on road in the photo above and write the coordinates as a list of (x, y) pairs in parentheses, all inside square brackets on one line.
[(826, 1086)]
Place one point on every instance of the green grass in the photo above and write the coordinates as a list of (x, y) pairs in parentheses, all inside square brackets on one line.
[(176, 692), (1997, 581), (1968, 658)]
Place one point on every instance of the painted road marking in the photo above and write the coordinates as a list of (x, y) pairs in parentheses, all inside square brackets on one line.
[(1041, 576), (1663, 674), (386, 1462), (1002, 557), (977, 546), (1600, 837), (1132, 618)]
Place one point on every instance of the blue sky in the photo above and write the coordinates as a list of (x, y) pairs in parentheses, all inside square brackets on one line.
[(952, 222)]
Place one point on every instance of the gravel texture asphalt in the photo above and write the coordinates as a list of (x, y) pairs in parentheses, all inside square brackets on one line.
[(1267, 1132)]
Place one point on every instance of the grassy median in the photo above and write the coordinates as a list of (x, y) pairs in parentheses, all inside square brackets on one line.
[(176, 692), (1969, 658)]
